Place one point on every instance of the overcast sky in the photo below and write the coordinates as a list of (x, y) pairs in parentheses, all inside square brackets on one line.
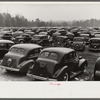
[(48, 11)]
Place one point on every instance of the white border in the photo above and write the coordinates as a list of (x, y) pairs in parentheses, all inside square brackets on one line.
[(45, 89)]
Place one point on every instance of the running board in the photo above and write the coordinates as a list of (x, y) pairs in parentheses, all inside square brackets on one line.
[(75, 74)]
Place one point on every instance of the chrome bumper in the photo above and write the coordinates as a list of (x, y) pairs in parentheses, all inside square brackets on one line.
[(9, 68), (40, 78)]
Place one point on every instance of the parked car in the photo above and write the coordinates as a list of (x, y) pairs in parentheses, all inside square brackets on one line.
[(78, 43), (7, 35), (94, 44), (86, 37), (70, 35), (4, 47), (96, 74), (20, 57), (57, 64), (24, 38), (42, 40), (62, 41), (97, 34)]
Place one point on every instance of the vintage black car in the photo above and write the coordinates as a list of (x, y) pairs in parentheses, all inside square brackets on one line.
[(96, 74), (94, 44), (42, 40), (78, 43), (24, 38), (7, 35), (4, 47), (20, 57), (57, 63), (86, 37), (70, 35), (61, 41)]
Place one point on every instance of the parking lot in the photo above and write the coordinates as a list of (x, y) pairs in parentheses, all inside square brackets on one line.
[(86, 76)]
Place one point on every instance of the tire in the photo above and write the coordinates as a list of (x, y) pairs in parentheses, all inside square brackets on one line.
[(64, 77)]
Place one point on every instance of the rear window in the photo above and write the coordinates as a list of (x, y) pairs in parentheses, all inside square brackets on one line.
[(17, 50), (53, 56), (78, 39), (44, 54)]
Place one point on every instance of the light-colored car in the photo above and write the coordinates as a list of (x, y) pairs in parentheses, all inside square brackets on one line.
[(20, 57)]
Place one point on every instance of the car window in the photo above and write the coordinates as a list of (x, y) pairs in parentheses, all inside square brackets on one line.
[(34, 53), (70, 56), (44, 54), (53, 56), (78, 39), (95, 41), (17, 50)]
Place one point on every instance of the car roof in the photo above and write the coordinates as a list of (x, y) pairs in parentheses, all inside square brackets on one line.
[(27, 46), (63, 36), (78, 37), (95, 39), (61, 50), (6, 41), (39, 35)]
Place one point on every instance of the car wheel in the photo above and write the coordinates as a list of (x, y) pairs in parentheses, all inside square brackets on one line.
[(64, 77)]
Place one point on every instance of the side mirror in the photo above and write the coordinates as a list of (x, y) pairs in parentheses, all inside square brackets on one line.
[(80, 57)]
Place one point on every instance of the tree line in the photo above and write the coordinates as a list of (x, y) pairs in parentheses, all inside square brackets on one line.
[(6, 20)]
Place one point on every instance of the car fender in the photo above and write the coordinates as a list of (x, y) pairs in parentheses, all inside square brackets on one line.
[(97, 64), (24, 66), (81, 62), (58, 72)]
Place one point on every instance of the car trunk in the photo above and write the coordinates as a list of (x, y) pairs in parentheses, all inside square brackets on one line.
[(12, 60), (44, 67)]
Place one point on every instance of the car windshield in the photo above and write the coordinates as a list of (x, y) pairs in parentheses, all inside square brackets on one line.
[(59, 39), (78, 39), (36, 37), (17, 50), (94, 41)]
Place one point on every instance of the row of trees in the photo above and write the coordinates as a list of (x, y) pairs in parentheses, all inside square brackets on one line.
[(6, 20)]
